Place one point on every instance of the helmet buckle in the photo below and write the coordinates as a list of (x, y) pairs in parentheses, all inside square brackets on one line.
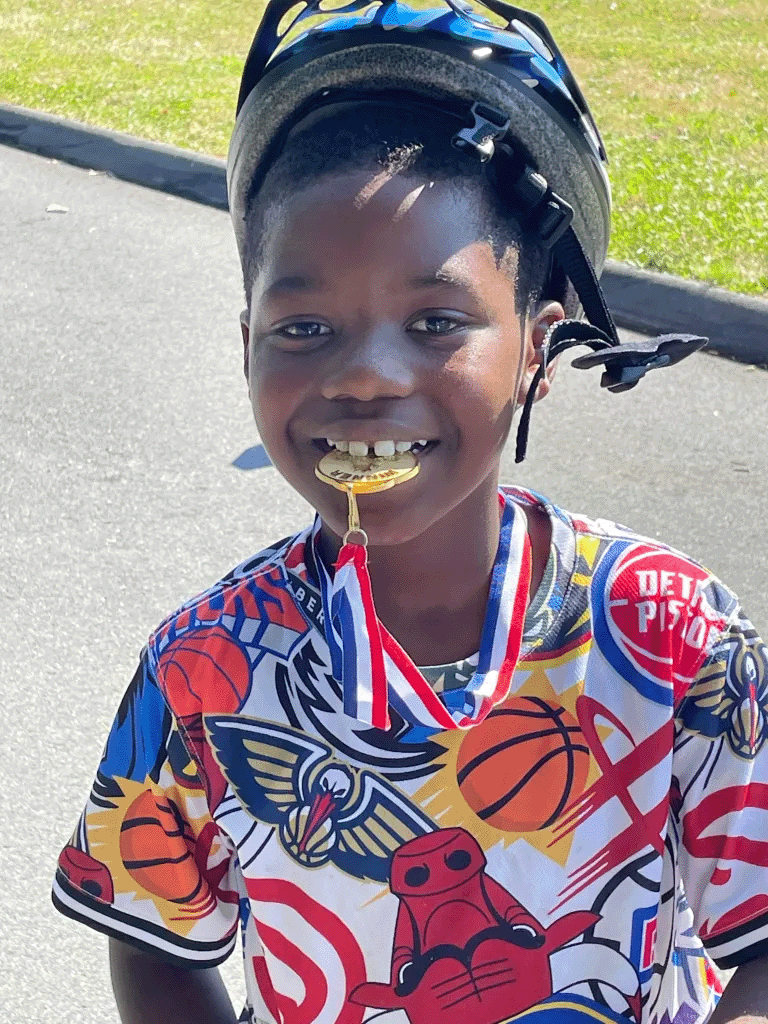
[(549, 215), (554, 220), (489, 127)]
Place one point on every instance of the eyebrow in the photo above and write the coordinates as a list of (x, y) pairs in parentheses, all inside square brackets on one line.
[(442, 277), (292, 284)]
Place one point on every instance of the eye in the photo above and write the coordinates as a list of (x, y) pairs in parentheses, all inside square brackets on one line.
[(299, 335), (526, 937), (417, 876), (304, 329), (458, 860), (434, 323)]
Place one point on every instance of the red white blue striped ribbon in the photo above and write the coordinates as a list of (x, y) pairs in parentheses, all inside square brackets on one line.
[(376, 673)]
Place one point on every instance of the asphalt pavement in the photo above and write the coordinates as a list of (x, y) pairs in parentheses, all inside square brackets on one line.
[(131, 477)]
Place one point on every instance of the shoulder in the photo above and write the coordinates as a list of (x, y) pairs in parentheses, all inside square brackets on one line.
[(631, 565), (651, 604), (205, 649)]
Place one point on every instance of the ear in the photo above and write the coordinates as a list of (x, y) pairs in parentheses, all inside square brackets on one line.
[(246, 333), (538, 322)]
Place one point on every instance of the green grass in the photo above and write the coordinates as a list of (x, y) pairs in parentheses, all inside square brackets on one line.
[(679, 89)]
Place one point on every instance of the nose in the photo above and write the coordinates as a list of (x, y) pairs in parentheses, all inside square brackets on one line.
[(375, 364)]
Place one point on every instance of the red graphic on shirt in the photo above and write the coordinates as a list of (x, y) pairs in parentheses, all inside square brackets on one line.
[(272, 602), (706, 835), (753, 909), (204, 669), (464, 948), (645, 828), (335, 978), (87, 873), (726, 806), (659, 614)]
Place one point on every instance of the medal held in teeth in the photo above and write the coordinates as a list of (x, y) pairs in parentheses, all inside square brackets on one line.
[(350, 599), (365, 474)]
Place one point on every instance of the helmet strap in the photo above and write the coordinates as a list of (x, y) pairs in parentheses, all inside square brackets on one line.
[(625, 363), (542, 212)]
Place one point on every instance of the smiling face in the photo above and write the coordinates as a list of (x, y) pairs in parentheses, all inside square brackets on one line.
[(380, 316)]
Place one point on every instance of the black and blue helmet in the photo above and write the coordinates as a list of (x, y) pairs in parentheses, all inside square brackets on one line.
[(452, 57), (508, 98)]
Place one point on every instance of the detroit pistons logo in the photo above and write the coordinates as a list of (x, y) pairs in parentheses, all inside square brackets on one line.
[(655, 615)]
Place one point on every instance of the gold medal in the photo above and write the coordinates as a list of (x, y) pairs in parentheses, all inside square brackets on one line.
[(364, 474)]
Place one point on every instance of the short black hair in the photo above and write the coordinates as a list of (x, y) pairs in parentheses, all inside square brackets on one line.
[(395, 138)]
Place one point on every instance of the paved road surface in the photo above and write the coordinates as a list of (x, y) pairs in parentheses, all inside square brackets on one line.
[(124, 411)]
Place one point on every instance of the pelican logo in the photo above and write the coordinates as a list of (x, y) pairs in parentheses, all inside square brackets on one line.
[(323, 809)]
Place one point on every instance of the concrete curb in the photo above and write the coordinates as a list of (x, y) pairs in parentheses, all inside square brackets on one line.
[(642, 300), (166, 168)]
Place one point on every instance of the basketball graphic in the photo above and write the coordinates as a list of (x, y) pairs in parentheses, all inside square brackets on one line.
[(519, 768), (207, 662), (156, 846)]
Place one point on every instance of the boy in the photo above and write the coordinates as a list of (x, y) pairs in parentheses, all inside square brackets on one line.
[(560, 810)]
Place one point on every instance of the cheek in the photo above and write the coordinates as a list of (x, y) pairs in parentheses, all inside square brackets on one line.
[(482, 380), (275, 394)]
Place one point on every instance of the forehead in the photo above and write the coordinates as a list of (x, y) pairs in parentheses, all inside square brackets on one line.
[(393, 225)]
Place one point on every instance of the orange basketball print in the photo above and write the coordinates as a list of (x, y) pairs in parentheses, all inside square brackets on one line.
[(519, 768), (205, 670), (156, 846)]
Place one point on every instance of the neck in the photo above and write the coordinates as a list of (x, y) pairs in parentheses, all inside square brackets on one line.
[(431, 592)]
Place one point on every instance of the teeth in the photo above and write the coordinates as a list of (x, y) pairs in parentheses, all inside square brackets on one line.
[(382, 449)]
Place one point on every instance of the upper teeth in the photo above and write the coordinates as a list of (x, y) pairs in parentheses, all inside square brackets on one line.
[(380, 448)]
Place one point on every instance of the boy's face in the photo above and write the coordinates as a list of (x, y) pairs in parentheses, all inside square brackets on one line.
[(380, 314)]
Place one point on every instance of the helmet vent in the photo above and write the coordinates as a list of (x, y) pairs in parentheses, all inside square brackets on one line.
[(534, 39)]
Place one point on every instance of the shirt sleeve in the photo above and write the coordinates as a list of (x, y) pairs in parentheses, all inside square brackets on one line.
[(147, 863), (720, 794)]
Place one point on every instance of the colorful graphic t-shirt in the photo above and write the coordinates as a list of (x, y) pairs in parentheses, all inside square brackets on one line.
[(577, 856)]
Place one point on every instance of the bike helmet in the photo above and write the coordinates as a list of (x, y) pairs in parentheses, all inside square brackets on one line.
[(507, 98)]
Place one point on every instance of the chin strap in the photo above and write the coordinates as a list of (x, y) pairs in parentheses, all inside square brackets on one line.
[(624, 364), (544, 213)]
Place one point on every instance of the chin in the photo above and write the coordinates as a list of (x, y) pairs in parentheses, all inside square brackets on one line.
[(395, 516), (389, 519), (392, 534)]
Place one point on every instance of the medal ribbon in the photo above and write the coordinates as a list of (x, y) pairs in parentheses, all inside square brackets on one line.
[(374, 670)]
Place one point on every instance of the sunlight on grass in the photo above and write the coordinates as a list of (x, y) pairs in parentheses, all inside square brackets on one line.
[(680, 92)]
